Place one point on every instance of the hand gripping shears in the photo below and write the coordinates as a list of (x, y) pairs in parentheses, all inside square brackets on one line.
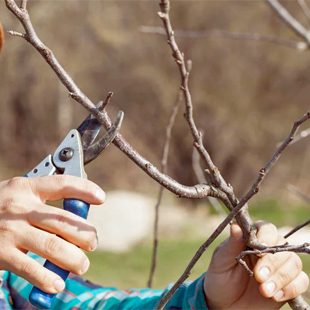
[(75, 151)]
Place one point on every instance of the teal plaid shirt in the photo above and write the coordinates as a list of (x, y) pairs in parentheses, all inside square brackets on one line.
[(83, 295)]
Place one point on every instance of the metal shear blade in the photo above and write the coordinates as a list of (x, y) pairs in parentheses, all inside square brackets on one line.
[(89, 130)]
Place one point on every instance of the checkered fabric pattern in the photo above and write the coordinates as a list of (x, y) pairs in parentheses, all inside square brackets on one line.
[(83, 295)]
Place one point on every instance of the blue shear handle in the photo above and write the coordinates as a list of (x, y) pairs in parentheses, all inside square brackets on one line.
[(77, 207), (37, 297)]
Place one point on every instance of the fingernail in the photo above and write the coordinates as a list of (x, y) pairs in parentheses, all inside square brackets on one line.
[(95, 244), (59, 285), (100, 194), (85, 266), (278, 295), (270, 287), (264, 273)]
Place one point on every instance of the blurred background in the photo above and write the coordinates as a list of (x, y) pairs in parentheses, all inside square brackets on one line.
[(246, 95)]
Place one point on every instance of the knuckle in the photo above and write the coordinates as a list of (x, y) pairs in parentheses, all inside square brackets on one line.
[(296, 262), (61, 221), (270, 260), (6, 226), (284, 278), (62, 181), (52, 245), (12, 206), (17, 182), (28, 268), (9, 205)]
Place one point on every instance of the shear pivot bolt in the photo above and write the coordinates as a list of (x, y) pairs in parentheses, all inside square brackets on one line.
[(66, 154)]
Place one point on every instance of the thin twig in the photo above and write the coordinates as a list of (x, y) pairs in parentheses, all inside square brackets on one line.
[(240, 36), (302, 248), (230, 201), (217, 178), (105, 102), (263, 172), (179, 59), (23, 5), (297, 228), (298, 193), (289, 20), (164, 168), (305, 8), (202, 179), (17, 34), (303, 134)]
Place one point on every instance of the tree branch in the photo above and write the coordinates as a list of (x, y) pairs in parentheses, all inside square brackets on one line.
[(202, 179), (297, 228), (229, 198), (305, 8), (164, 162), (289, 20), (197, 191), (217, 179), (240, 208), (263, 172)]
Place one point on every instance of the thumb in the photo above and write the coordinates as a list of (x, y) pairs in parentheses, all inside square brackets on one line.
[(224, 257)]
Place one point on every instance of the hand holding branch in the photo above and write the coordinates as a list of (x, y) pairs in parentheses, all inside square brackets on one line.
[(277, 277)]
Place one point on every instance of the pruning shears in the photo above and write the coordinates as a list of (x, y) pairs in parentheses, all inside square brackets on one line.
[(76, 150)]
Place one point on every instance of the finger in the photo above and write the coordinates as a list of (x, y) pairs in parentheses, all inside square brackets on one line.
[(65, 224), (282, 275), (267, 233), (32, 271), (295, 288), (224, 256), (55, 249), (269, 264), (56, 187), (236, 242)]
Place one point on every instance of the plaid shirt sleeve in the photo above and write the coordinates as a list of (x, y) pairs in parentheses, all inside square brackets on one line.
[(82, 295)]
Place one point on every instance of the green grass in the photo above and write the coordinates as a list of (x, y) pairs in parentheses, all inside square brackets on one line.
[(280, 214), (131, 269)]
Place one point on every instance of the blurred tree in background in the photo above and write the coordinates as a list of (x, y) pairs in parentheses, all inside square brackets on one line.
[(246, 94)]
